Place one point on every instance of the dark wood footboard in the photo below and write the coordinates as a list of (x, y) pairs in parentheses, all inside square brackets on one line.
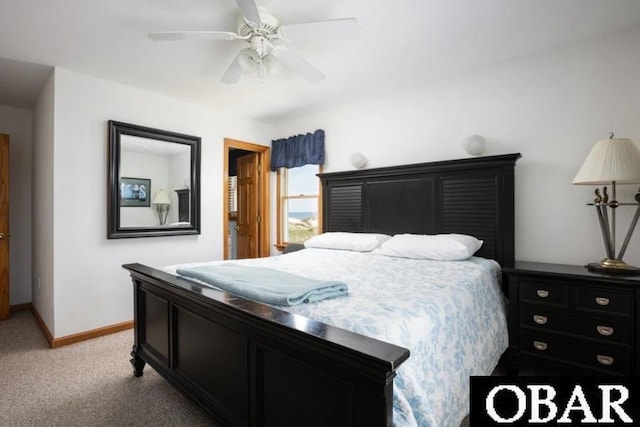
[(249, 364)]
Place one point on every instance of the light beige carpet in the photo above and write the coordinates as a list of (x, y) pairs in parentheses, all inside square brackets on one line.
[(88, 383)]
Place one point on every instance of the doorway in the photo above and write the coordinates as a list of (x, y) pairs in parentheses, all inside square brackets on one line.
[(4, 227), (253, 237)]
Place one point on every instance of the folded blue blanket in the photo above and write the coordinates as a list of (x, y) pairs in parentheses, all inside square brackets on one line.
[(265, 284)]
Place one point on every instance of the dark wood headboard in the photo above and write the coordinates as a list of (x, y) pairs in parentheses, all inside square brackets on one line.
[(473, 196)]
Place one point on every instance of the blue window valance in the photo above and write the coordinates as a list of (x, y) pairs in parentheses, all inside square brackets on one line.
[(298, 150)]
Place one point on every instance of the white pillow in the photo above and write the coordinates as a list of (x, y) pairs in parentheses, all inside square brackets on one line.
[(361, 242), (440, 247)]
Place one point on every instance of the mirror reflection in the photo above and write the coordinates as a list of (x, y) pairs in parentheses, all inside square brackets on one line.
[(154, 183), (154, 179)]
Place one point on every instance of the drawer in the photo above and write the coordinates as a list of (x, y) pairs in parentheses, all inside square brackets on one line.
[(550, 321), (615, 302), (606, 330), (544, 292), (576, 352)]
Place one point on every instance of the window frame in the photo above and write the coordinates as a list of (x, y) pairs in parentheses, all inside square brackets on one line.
[(281, 182)]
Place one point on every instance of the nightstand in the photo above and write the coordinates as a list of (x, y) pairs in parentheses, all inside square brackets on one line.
[(566, 317)]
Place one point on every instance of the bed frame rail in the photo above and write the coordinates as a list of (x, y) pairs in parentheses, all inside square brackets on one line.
[(249, 364)]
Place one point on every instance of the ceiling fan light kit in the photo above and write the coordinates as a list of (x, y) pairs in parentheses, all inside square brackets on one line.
[(248, 59), (266, 37)]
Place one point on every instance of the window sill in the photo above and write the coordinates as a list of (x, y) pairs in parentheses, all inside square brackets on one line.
[(289, 247)]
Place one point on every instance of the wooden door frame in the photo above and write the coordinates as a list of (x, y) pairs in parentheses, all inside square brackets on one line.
[(264, 208), (4, 217)]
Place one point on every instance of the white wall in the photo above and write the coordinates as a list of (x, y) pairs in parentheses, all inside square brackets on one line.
[(17, 123), (91, 288), (551, 107), (42, 203)]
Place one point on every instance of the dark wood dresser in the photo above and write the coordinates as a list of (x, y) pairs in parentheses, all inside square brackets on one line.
[(564, 317), (183, 205)]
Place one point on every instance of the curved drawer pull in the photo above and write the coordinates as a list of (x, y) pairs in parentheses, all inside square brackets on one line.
[(605, 360), (540, 320), (542, 293), (602, 301), (542, 346), (604, 330)]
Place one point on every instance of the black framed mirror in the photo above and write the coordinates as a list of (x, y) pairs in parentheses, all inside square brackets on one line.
[(154, 182)]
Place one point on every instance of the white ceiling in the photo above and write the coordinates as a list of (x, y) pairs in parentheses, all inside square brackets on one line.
[(401, 43)]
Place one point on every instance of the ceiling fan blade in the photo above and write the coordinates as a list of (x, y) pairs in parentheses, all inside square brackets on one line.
[(334, 29), (193, 35), (234, 72), (249, 10), (298, 64)]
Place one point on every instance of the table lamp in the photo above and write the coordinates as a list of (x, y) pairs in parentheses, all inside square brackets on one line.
[(612, 161)]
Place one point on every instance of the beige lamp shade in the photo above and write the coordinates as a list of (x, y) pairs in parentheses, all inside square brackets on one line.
[(614, 159), (161, 198)]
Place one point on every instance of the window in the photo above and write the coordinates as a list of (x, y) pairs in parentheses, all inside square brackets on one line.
[(232, 192), (299, 214)]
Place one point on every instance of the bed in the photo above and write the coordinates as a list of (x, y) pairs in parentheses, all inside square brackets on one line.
[(249, 363)]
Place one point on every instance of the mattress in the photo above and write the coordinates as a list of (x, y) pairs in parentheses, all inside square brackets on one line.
[(451, 315)]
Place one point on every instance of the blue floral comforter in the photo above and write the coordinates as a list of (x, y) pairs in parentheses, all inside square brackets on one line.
[(451, 315)]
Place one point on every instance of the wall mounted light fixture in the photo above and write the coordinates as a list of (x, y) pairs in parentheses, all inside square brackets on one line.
[(358, 160), (474, 144)]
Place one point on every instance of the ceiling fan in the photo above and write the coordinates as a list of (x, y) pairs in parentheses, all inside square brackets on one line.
[(266, 37)]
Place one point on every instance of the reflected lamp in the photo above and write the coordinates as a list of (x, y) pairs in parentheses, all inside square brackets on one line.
[(162, 203)]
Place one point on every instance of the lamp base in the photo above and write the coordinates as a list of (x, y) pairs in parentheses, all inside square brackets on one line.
[(613, 266)]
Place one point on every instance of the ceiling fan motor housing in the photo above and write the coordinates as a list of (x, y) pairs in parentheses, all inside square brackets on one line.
[(268, 28), (259, 34)]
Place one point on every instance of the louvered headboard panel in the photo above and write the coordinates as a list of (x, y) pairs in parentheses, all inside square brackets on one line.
[(346, 210), (469, 206), (469, 196)]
